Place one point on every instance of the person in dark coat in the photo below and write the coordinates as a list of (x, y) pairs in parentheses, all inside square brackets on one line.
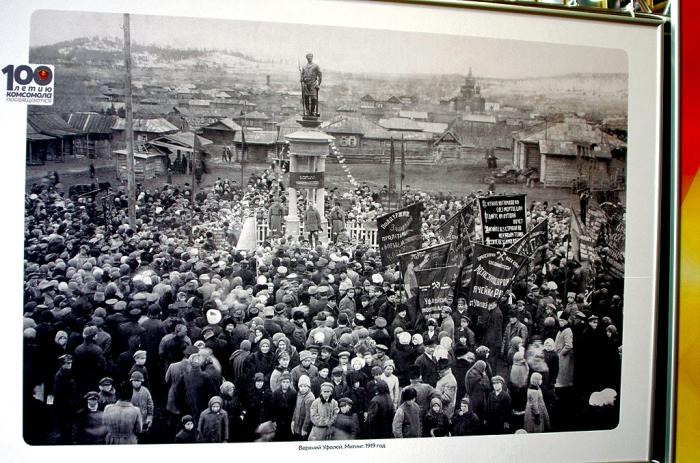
[(213, 422), (459, 368), (263, 359), (380, 414), (196, 387), (258, 404), (65, 398), (477, 386), (187, 435), (435, 422), (88, 362), (154, 330), (282, 404), (312, 224), (347, 423), (465, 422), (493, 333), (89, 429), (498, 408), (234, 408), (428, 364)]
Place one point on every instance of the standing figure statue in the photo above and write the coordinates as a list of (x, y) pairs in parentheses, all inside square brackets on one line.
[(310, 83)]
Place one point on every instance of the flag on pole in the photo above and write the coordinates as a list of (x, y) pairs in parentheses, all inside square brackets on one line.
[(392, 175), (403, 159)]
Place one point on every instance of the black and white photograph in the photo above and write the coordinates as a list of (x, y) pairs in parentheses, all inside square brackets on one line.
[(256, 231)]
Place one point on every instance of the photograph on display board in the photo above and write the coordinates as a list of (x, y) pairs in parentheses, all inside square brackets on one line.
[(323, 233)]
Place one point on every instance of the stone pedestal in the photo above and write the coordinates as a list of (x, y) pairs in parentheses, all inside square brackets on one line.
[(308, 149)]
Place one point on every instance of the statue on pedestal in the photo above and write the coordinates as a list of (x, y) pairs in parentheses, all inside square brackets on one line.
[(310, 78)]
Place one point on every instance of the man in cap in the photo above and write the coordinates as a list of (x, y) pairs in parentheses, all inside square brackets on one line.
[(282, 404), (65, 398), (323, 413), (142, 399), (89, 429), (514, 328), (427, 363), (107, 393)]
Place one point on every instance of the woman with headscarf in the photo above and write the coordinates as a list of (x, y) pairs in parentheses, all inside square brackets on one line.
[(435, 422), (536, 415), (551, 359), (381, 413), (477, 385), (465, 422), (262, 361), (519, 375)]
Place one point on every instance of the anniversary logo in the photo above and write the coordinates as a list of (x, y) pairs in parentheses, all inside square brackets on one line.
[(399, 232), (503, 219)]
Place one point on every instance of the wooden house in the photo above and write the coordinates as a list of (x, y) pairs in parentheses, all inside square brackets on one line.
[(221, 132), (54, 126), (262, 145), (144, 130), (149, 162), (40, 147), (98, 133), (575, 149)]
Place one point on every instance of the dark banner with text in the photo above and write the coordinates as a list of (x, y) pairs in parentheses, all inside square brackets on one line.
[(535, 240), (502, 219), (410, 262), (435, 287), (492, 274), (399, 232)]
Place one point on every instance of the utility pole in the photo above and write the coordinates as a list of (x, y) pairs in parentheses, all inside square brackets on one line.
[(130, 172), (194, 164)]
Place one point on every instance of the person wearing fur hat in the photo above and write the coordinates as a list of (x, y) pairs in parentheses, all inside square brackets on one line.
[(407, 419), (465, 422), (380, 413), (305, 367), (347, 423), (187, 435), (213, 423), (435, 421), (301, 418), (282, 404), (323, 413), (498, 408)]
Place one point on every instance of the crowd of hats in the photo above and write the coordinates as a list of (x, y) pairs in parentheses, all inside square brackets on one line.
[(96, 280)]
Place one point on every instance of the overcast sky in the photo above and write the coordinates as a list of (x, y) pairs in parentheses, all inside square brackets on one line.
[(341, 49)]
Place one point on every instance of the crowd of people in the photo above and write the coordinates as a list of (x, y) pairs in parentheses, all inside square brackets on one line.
[(165, 332)]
